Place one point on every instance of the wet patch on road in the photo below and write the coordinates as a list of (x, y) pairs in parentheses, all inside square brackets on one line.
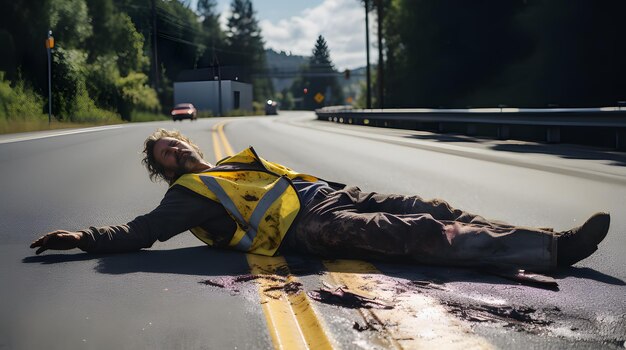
[(275, 284)]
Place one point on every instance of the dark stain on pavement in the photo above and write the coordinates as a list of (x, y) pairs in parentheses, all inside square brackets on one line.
[(521, 318), (278, 283), (342, 297)]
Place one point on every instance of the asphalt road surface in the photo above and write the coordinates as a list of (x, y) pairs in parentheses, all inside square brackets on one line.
[(157, 299)]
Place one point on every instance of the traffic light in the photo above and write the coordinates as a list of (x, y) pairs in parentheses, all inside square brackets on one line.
[(306, 91), (346, 74)]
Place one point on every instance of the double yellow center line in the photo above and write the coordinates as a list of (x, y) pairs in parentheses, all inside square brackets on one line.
[(221, 146), (291, 320)]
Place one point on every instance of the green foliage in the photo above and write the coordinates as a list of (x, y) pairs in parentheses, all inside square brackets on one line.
[(139, 116), (258, 108), (285, 99), (319, 76), (19, 102), (361, 100), (101, 79), (245, 48), (205, 114), (129, 46), (69, 21), (136, 95), (7, 58), (101, 62), (70, 98), (213, 38), (84, 110), (179, 40), (68, 77)]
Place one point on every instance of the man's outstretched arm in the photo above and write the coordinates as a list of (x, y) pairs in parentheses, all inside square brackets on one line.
[(179, 210)]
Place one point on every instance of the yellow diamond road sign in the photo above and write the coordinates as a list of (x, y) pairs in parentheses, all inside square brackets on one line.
[(319, 97)]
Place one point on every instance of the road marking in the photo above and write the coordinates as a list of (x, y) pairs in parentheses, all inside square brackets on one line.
[(290, 317), (416, 321), (72, 132), (221, 146), (227, 148), (217, 149)]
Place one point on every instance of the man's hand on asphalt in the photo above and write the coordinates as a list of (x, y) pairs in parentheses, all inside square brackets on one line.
[(57, 240)]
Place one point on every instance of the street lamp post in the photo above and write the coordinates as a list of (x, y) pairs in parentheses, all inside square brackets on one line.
[(49, 46)]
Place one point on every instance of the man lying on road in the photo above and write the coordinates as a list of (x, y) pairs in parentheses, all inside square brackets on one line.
[(256, 206)]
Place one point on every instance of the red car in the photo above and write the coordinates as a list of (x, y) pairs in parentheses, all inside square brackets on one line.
[(184, 111)]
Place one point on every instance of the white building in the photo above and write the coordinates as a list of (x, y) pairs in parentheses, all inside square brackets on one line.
[(201, 88)]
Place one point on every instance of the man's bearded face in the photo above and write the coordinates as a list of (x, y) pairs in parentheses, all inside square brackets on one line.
[(176, 157)]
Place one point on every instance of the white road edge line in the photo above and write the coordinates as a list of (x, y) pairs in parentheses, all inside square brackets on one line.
[(80, 131)]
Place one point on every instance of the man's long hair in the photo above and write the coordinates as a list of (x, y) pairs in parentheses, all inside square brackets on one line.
[(156, 170)]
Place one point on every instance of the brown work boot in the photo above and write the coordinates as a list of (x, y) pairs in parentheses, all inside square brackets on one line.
[(580, 242)]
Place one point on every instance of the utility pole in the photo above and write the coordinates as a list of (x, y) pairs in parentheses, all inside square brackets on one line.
[(219, 83), (367, 50), (49, 46), (154, 47), (381, 64)]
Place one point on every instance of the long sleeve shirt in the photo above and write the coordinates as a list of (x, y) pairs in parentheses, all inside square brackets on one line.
[(180, 210)]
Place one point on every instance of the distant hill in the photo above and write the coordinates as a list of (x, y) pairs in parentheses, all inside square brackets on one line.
[(286, 66)]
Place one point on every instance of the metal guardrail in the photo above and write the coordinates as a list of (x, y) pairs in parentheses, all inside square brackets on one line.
[(503, 122)]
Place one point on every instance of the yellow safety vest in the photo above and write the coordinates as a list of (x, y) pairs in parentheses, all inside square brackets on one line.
[(257, 194)]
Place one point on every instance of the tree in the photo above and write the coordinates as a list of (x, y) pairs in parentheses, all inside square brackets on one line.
[(318, 77), (213, 38), (245, 48), (440, 52)]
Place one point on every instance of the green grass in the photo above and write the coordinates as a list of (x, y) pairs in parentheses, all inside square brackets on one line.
[(25, 125), (147, 117)]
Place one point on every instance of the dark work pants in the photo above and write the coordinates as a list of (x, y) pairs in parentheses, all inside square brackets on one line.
[(353, 224)]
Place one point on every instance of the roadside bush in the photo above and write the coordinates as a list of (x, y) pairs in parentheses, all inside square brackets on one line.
[(258, 108), (101, 81), (71, 100), (204, 114), (68, 74), (19, 102), (84, 109), (240, 113), (139, 116), (136, 95)]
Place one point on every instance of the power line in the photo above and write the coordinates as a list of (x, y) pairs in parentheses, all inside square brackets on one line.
[(179, 40)]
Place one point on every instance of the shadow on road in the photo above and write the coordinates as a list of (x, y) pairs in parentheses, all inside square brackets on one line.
[(589, 274), (200, 260), (450, 138), (562, 150), (205, 261)]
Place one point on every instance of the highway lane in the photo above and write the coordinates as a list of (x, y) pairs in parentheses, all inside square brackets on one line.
[(486, 181), (70, 300), (154, 299)]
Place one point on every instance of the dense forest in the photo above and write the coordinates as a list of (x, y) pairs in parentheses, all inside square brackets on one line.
[(521, 53)]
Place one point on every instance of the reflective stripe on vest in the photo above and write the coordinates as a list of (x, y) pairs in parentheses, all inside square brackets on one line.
[(251, 228)]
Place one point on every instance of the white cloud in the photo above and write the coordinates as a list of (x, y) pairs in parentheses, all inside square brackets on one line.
[(340, 22)]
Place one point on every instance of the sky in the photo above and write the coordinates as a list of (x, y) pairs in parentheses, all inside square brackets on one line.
[(293, 26)]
